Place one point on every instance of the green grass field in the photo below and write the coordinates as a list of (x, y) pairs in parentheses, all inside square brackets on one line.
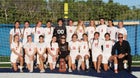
[(7, 59)]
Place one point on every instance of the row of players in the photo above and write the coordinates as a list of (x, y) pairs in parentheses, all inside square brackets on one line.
[(68, 31), (102, 51)]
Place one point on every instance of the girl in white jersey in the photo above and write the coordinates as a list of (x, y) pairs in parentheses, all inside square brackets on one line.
[(84, 53), (41, 53), (96, 45), (122, 30), (74, 47), (102, 28), (15, 30), (52, 52), (112, 30), (91, 29), (70, 30), (30, 51), (16, 53), (48, 32), (26, 31), (107, 49), (37, 31), (80, 30)]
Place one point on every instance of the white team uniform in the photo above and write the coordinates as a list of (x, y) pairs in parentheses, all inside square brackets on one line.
[(122, 31), (30, 50), (70, 32), (113, 32), (102, 29), (74, 50), (96, 48), (90, 31), (16, 31), (107, 48), (48, 34), (16, 47), (53, 49), (25, 32), (84, 49), (40, 49), (39, 31), (80, 32)]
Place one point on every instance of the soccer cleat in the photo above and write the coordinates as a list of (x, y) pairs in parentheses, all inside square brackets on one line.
[(70, 70)]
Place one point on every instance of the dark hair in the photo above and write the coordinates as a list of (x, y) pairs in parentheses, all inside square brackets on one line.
[(107, 34), (41, 36), (85, 34), (75, 35), (111, 21), (24, 26), (60, 19), (70, 20), (48, 21), (15, 27), (96, 33)]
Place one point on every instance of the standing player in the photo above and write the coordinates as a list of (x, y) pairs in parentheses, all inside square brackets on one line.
[(102, 28), (15, 30), (26, 31), (112, 30), (122, 30), (30, 51), (74, 46), (60, 30), (107, 49), (84, 53), (80, 30), (16, 53), (52, 52), (41, 53), (96, 49), (91, 30), (70, 30), (48, 32), (37, 31)]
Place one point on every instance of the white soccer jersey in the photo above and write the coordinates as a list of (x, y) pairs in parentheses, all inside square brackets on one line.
[(80, 32), (15, 31), (113, 32), (74, 46), (41, 47), (102, 29), (96, 45), (107, 47), (39, 31), (26, 32), (122, 30), (48, 34), (16, 46), (30, 47), (53, 47), (90, 31), (70, 32), (84, 47)]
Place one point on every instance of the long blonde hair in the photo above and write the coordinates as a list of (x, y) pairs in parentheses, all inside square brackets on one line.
[(79, 25), (94, 25)]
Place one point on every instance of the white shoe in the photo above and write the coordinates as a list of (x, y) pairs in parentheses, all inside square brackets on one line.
[(70, 70), (78, 68), (21, 70), (42, 71)]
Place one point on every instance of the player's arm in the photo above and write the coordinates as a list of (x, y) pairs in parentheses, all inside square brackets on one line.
[(10, 39)]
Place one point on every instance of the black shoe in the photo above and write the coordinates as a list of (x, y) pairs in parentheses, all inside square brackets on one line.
[(87, 70)]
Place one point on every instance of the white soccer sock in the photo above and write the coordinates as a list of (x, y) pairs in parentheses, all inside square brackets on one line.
[(32, 63), (115, 66), (54, 63), (79, 63), (87, 63)]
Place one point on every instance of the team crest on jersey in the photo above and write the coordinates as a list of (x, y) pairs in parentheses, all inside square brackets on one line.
[(91, 31), (70, 31), (38, 32), (101, 30), (84, 47), (30, 49), (81, 31), (74, 48), (107, 45), (49, 32), (96, 44)]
